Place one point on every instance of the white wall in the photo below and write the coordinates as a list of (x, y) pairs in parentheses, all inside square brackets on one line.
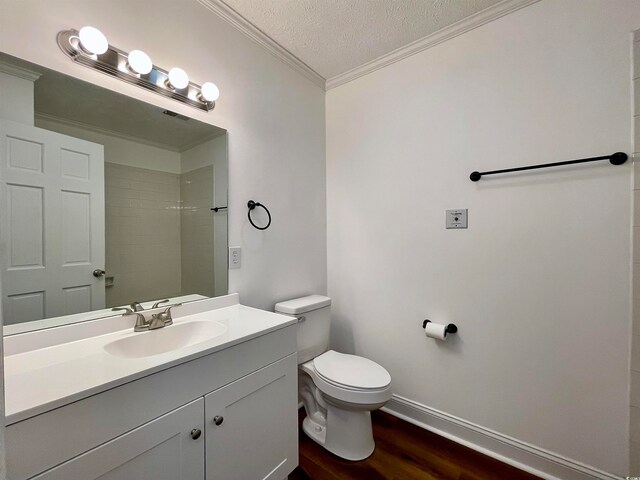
[(539, 284), (275, 119)]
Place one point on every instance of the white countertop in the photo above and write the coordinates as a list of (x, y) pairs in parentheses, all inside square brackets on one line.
[(38, 380)]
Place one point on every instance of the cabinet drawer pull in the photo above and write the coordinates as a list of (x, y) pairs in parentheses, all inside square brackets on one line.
[(218, 420), (195, 433)]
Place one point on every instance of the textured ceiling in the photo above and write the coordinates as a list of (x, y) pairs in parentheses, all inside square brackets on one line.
[(334, 36)]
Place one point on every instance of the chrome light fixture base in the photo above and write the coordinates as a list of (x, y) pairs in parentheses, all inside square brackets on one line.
[(114, 62)]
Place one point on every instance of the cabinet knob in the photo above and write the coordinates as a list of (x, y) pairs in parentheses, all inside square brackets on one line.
[(218, 420), (195, 433)]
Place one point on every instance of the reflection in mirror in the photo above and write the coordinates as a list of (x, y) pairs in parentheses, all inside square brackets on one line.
[(106, 201)]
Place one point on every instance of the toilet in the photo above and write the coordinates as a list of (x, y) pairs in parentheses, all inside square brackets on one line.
[(338, 391)]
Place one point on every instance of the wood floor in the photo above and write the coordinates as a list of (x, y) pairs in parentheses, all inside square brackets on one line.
[(403, 452)]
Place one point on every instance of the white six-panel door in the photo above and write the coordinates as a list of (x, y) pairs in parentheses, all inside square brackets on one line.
[(52, 223)]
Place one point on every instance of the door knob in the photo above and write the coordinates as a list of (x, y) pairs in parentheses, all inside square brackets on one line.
[(98, 273), (218, 419), (195, 433)]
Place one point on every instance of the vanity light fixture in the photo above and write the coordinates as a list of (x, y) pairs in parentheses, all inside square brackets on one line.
[(209, 92), (89, 47), (92, 41), (178, 79), (139, 62)]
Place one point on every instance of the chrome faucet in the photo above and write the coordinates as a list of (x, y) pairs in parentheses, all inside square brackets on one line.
[(164, 317), (158, 320)]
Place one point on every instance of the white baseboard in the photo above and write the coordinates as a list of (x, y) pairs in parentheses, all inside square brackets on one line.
[(545, 464)]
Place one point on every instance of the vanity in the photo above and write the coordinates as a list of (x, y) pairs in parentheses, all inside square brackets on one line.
[(212, 396)]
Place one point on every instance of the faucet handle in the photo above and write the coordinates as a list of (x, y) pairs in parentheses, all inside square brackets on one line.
[(141, 323), (136, 307), (157, 304), (166, 315)]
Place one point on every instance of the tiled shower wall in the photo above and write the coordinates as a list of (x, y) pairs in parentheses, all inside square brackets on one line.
[(196, 193), (634, 443), (142, 234)]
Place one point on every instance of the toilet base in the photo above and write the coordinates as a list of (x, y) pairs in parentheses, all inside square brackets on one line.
[(315, 432), (347, 433)]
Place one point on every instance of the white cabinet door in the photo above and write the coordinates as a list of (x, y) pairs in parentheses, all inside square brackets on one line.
[(257, 435), (52, 231), (162, 449)]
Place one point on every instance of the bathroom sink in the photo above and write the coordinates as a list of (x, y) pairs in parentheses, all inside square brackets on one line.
[(167, 339)]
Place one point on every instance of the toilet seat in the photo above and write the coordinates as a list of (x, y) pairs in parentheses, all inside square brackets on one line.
[(351, 371), (349, 378)]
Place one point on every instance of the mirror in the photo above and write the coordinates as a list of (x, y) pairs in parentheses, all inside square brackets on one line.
[(106, 201)]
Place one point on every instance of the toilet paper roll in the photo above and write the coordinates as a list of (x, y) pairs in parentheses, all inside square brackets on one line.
[(436, 330)]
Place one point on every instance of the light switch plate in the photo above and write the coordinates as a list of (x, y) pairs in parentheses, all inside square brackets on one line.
[(457, 218), (235, 257)]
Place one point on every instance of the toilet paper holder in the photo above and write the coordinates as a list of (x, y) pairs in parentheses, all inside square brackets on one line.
[(451, 328)]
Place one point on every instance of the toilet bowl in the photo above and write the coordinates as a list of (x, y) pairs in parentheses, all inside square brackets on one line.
[(338, 391)]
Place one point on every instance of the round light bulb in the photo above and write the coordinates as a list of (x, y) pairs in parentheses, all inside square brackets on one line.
[(209, 91), (139, 62), (178, 78), (93, 40)]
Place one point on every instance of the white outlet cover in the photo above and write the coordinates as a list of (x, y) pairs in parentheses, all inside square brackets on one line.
[(235, 257)]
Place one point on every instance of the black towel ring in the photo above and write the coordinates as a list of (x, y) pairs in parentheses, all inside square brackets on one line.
[(251, 204)]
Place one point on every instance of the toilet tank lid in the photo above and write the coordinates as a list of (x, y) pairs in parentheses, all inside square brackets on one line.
[(303, 304)]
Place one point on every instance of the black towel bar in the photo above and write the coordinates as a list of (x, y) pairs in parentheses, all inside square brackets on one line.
[(617, 158)]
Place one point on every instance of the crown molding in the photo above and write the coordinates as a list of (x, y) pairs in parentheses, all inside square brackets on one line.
[(458, 28), (236, 20), (19, 72)]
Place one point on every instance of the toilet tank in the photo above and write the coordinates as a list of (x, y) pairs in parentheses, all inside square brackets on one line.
[(314, 320)]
